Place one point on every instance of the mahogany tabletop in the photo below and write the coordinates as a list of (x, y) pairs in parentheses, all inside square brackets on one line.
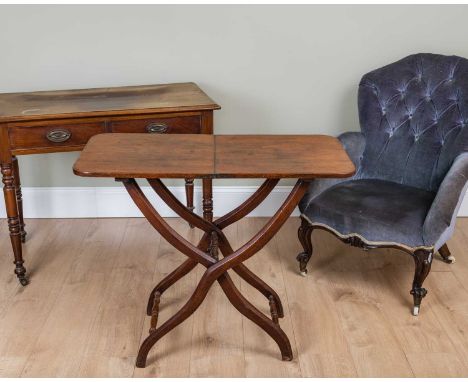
[(103, 101), (207, 156)]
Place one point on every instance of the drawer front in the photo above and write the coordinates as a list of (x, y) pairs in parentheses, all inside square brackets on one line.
[(53, 135), (157, 125)]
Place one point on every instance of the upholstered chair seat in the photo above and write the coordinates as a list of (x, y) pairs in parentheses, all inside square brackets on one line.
[(411, 157), (373, 209)]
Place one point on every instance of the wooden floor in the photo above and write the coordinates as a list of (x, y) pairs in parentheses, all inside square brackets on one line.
[(84, 312)]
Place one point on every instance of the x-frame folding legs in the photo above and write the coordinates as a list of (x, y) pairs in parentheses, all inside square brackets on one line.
[(206, 254)]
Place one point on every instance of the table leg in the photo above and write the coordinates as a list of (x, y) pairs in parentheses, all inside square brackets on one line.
[(19, 197), (185, 268), (238, 213), (216, 270), (11, 205), (208, 199), (245, 273), (189, 195)]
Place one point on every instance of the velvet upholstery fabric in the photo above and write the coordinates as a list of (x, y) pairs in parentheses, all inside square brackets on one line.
[(440, 221), (354, 143), (414, 135), (377, 210)]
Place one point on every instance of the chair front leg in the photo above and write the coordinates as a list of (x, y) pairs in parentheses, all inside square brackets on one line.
[(304, 234), (423, 260)]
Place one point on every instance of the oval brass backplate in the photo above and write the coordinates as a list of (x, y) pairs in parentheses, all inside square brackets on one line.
[(58, 135), (156, 128)]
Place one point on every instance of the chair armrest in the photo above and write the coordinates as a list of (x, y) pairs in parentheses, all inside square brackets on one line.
[(354, 143), (440, 220)]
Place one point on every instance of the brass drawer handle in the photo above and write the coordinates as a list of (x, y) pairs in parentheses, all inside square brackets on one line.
[(156, 128), (58, 135)]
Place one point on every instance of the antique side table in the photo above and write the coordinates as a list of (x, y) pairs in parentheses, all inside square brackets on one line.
[(57, 121), (127, 157)]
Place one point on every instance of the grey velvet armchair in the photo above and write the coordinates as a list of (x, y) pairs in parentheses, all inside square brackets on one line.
[(412, 165)]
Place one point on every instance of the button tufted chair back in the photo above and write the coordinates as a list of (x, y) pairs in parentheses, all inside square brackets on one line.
[(414, 116)]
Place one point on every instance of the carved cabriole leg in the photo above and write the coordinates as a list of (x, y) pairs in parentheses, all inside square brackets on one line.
[(189, 195), (423, 260), (208, 199), (305, 237), (446, 255), (13, 220), (19, 198)]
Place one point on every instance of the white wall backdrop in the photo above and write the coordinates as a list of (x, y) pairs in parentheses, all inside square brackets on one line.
[(273, 69)]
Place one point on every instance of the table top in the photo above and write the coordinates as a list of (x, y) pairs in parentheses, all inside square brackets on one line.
[(208, 156), (103, 101)]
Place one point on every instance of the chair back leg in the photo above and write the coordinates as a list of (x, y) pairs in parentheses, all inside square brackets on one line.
[(446, 255)]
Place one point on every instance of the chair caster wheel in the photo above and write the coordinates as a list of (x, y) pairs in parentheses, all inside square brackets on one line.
[(416, 310)]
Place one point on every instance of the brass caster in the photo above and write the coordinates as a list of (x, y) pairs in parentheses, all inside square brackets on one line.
[(416, 310)]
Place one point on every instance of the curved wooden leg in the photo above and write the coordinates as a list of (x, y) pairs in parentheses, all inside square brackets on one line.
[(446, 255), (185, 312), (217, 270), (234, 296), (9, 192), (254, 315), (19, 198), (304, 234), (166, 231), (244, 272), (247, 206), (207, 226), (186, 267), (247, 275), (423, 260)]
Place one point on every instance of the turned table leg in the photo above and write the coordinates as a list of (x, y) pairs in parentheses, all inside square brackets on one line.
[(208, 199), (19, 197), (9, 192), (189, 195)]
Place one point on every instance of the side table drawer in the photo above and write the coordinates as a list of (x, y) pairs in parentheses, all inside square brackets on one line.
[(54, 135), (190, 124)]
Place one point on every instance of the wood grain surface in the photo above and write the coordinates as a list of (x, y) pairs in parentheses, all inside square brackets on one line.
[(104, 101), (86, 316), (220, 156), (281, 156), (147, 156)]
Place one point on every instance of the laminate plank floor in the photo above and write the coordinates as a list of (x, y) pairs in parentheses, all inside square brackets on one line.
[(83, 314)]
